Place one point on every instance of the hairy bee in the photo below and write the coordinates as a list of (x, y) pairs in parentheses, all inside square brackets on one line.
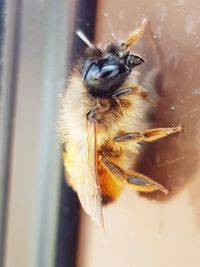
[(101, 110)]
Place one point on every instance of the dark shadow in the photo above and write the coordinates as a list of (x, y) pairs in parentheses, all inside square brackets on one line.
[(69, 213)]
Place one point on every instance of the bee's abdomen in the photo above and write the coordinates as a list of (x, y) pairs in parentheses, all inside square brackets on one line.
[(110, 186)]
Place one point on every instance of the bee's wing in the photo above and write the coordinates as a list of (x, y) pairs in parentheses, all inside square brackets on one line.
[(88, 188)]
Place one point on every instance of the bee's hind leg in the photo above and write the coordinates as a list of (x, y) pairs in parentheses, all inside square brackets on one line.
[(148, 135), (137, 180)]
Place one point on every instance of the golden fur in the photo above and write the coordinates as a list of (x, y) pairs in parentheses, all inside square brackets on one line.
[(115, 116)]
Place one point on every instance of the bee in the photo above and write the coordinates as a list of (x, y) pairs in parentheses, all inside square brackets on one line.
[(100, 113)]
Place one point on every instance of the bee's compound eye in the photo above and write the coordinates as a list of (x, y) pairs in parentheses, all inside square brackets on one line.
[(109, 71), (95, 72), (90, 71)]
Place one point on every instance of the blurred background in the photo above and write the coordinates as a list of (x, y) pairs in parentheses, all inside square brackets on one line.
[(41, 222)]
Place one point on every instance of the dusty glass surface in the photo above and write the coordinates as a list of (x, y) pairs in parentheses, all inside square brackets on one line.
[(154, 230)]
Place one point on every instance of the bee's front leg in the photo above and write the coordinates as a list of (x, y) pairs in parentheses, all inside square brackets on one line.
[(137, 180), (148, 135), (92, 115), (135, 89), (98, 112)]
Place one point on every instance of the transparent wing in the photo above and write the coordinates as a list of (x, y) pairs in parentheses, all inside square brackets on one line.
[(88, 188)]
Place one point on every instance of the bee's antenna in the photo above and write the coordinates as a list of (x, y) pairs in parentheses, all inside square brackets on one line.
[(84, 38), (112, 31)]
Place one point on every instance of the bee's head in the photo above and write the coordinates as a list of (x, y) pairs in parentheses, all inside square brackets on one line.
[(105, 71)]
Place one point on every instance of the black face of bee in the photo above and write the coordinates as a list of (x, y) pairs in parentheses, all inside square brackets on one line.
[(105, 73)]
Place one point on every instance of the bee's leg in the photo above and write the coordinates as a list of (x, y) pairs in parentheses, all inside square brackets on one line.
[(122, 92), (137, 180), (136, 89), (136, 35), (143, 94), (148, 135)]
